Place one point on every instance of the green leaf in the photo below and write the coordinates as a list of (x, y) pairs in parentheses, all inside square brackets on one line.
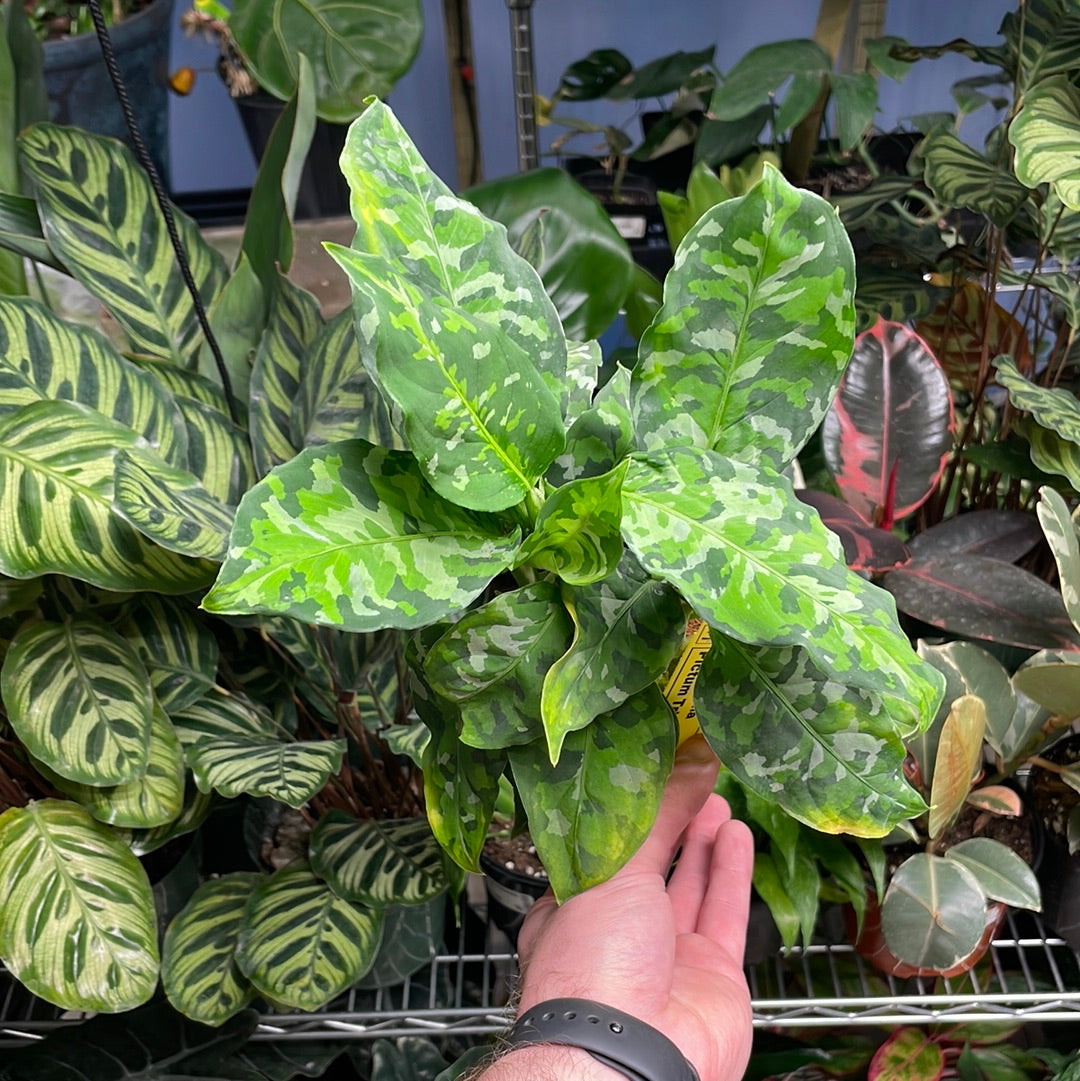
[(758, 565), (959, 758), (236, 319), (601, 437), (1051, 678), (1061, 534), (100, 217), (664, 75), (356, 49), (196, 810), (827, 753), (1053, 408), (761, 72), (960, 176), (770, 887), (77, 921), (20, 230), (301, 944), (219, 453), (753, 336), (909, 1054), (583, 363), (1045, 133), (591, 811), (198, 959), (350, 535), (491, 664), (1001, 873), (378, 862), (219, 714), (627, 629), (411, 1058), (78, 698), (855, 96)]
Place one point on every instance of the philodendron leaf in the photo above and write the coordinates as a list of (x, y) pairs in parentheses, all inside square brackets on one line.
[(577, 536), (583, 361), (909, 1054), (826, 753), (753, 336), (378, 862), (79, 699), (1001, 873), (301, 944), (100, 217), (592, 810), (627, 630), (1060, 530), (959, 755), (198, 959), (350, 535), (491, 664), (961, 176), (468, 343), (77, 920), (758, 565), (1045, 133)]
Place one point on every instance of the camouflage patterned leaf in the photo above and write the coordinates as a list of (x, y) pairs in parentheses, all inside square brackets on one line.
[(78, 698), (56, 488), (576, 536), (1001, 873), (77, 921), (100, 217), (491, 664), (826, 753), (627, 630), (601, 437), (583, 361), (170, 506), (757, 564), (959, 759), (1060, 530), (301, 944), (350, 535), (591, 812), (378, 862), (960, 176), (293, 325), (752, 339), (198, 957), (1045, 133), (219, 453)]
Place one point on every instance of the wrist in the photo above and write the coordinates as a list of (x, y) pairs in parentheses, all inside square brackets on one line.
[(548, 1062)]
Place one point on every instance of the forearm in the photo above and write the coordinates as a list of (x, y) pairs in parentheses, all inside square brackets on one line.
[(547, 1062)]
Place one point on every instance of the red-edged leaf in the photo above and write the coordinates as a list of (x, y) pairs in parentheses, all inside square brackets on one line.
[(866, 548), (959, 754), (997, 799), (909, 1054), (983, 598), (998, 534), (890, 426)]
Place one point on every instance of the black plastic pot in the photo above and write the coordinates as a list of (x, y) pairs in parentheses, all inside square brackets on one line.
[(510, 895)]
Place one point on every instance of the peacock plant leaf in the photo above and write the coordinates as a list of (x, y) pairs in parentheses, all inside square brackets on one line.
[(350, 535), (1050, 454), (219, 714), (77, 924), (619, 763), (601, 437), (219, 453), (184, 383), (828, 754), (198, 955), (99, 215), (1061, 533), (627, 630), (378, 862), (78, 697), (301, 944), (889, 430), (195, 811), (960, 176), (758, 565), (752, 338), (491, 664), (56, 485), (1044, 133)]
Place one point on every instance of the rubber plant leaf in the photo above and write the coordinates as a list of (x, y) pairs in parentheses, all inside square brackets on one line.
[(909, 1054), (958, 762), (1006, 535), (752, 338), (888, 432), (77, 923), (350, 535), (962, 177), (1001, 873), (997, 799), (866, 548), (1060, 530), (1052, 678), (1044, 133), (100, 216)]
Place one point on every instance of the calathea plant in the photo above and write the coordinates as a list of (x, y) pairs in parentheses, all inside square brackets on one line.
[(546, 542)]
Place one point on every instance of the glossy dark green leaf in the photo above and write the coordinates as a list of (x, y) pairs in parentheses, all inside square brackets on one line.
[(661, 76), (769, 885), (593, 76), (1007, 535), (761, 72)]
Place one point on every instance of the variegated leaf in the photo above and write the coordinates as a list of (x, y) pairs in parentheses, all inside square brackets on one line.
[(591, 812), (627, 630), (196, 810), (959, 756), (198, 956), (827, 753), (45, 357), (170, 506), (1001, 873), (583, 360), (293, 325), (79, 699), (219, 453), (378, 862), (100, 216), (350, 535), (1061, 534), (577, 536), (753, 336), (1049, 452), (601, 437), (219, 714), (56, 491), (1052, 678), (301, 944), (77, 920), (960, 176), (249, 766), (187, 384), (492, 664), (1045, 133), (757, 564)]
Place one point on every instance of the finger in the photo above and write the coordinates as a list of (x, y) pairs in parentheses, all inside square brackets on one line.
[(690, 879), (688, 787), (726, 905)]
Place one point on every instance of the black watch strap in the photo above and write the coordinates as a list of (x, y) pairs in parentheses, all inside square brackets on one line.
[(616, 1039)]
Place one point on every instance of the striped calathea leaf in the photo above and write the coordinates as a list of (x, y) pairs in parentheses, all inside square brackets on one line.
[(1063, 536), (1045, 133), (77, 922)]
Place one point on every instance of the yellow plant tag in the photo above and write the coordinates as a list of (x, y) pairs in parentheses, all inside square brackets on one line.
[(679, 689)]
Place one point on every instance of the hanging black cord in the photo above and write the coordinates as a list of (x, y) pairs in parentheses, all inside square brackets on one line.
[(162, 200)]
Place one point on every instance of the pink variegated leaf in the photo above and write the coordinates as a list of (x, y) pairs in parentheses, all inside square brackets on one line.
[(997, 799)]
